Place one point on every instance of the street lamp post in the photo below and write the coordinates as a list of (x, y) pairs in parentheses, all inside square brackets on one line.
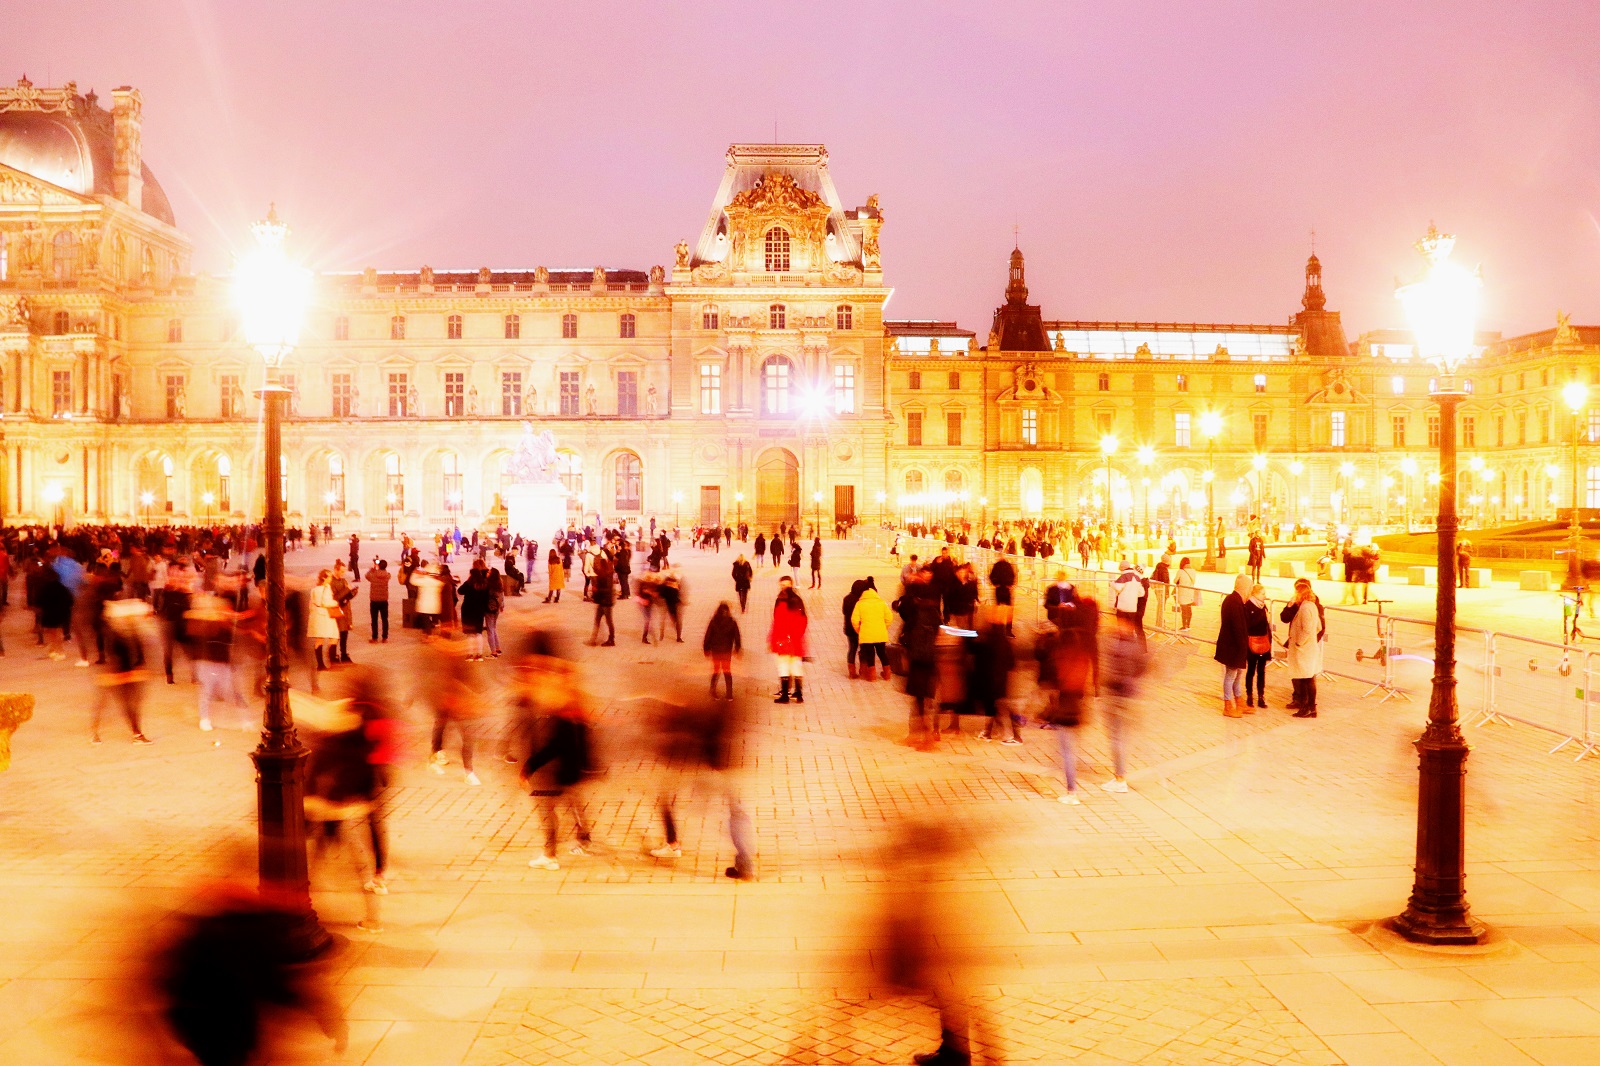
[(983, 515), (1146, 455), (389, 501), (146, 499), (1259, 462), (1576, 395), (1108, 448), (738, 510), (208, 498), (1408, 467), (677, 501), (1296, 468), (1210, 426), (272, 294), (1442, 307), (816, 521)]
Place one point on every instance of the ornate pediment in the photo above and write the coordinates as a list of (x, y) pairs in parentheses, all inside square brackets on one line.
[(19, 188), (1028, 387), (776, 192), (777, 200), (1337, 389)]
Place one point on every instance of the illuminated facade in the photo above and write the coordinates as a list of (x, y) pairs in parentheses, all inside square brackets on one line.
[(754, 378)]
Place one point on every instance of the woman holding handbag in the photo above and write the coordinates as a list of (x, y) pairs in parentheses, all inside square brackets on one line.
[(322, 624), (1258, 629)]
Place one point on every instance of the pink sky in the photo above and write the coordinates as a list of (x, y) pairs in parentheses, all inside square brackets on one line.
[(1162, 160)]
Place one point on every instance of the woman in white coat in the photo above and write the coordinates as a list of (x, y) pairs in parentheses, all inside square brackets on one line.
[(322, 624), (1308, 629), (1188, 594)]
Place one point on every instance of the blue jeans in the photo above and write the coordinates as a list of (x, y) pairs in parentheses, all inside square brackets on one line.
[(1067, 739), (1232, 682)]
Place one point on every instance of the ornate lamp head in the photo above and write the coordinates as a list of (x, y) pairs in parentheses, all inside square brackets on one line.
[(1442, 306), (271, 292)]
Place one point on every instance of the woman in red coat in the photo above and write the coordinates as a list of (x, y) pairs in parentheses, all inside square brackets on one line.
[(787, 640)]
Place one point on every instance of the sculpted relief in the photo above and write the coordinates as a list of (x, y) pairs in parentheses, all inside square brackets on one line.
[(777, 200)]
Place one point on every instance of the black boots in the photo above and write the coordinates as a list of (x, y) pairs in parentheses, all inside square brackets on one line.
[(783, 697), (799, 690)]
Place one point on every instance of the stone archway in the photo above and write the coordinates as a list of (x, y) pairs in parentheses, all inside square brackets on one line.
[(777, 489)]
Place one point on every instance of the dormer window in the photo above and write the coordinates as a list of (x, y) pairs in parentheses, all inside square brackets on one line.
[(777, 249), (777, 317)]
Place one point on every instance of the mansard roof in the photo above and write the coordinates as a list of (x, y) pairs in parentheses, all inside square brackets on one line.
[(806, 165)]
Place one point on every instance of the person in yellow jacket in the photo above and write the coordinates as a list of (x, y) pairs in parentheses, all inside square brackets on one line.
[(871, 621)]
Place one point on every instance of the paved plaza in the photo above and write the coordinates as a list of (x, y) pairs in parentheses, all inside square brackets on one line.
[(1220, 912)]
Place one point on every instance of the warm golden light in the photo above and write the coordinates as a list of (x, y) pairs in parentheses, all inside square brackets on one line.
[(1108, 445), (1408, 466), (208, 498), (1442, 305), (147, 498), (270, 292), (1146, 454), (1575, 394), (1210, 424), (1297, 468), (1347, 469), (1259, 462)]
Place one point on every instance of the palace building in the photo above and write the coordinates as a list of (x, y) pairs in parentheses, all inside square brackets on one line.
[(754, 378)]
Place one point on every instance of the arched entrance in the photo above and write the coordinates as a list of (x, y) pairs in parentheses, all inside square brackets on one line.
[(777, 489)]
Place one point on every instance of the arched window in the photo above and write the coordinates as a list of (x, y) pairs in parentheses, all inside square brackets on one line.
[(452, 327), (1105, 382), (777, 317), (777, 258), (915, 482), (397, 328), (450, 467), (394, 483), (709, 317), (953, 481), (62, 324), (630, 483), (147, 264), (569, 326), (336, 482), (64, 255), (775, 373), (626, 324)]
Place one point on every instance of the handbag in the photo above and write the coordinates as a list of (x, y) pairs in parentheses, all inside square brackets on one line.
[(1260, 645), (895, 656)]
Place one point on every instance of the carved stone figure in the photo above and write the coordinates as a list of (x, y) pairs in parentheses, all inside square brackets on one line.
[(872, 203), (657, 275), (599, 275), (472, 400), (236, 396), (534, 461), (369, 278), (541, 275), (1565, 334), (413, 403), (13, 309), (681, 255), (530, 403), (425, 276), (869, 253), (483, 275), (180, 403), (125, 401), (1061, 342), (588, 399), (650, 402), (355, 400)]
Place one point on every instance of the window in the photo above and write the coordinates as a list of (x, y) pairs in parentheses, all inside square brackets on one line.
[(1544, 425), (336, 482), (450, 467), (397, 327), (569, 392), (117, 409), (61, 324), (1433, 429), (1105, 383), (1183, 382), (1102, 423), (174, 331), (1180, 429), (1336, 429), (1258, 428), (914, 428), (777, 252), (710, 318), (955, 381), (452, 327), (628, 393), (1499, 429), (1591, 482), (1261, 383), (777, 317), (513, 327), (394, 484), (775, 386), (1544, 375), (1030, 426), (1469, 431), (511, 393), (844, 390), (569, 326), (1466, 386), (65, 261), (398, 388), (177, 400), (914, 482), (341, 328), (344, 395), (1594, 424), (1433, 386), (914, 379), (1397, 430), (710, 389), (61, 392), (630, 482), (5, 258), (1522, 427), (1522, 380), (1397, 385), (626, 325), (455, 394), (232, 395), (952, 428), (844, 317)]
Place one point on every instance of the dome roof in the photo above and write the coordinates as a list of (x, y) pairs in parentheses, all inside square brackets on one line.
[(73, 149)]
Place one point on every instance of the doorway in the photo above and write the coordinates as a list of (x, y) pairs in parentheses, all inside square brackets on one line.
[(844, 504), (711, 505), (777, 489)]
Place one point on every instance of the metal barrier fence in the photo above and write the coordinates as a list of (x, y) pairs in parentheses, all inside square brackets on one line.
[(1501, 678)]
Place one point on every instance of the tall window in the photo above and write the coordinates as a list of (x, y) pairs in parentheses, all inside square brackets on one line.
[(1522, 427), (1499, 429), (177, 399), (344, 391), (511, 393), (62, 325), (65, 249), (455, 394), (452, 327), (844, 317), (777, 257), (1593, 431), (1261, 383), (1336, 429), (1469, 431), (1102, 423), (952, 428), (1030, 426), (1433, 429), (777, 317), (914, 379), (232, 394), (336, 482), (513, 327), (630, 482), (844, 389), (1104, 383), (569, 392), (1544, 425), (914, 428), (710, 318), (628, 393), (225, 484), (60, 392), (569, 326), (450, 466), (5, 258), (1397, 430), (775, 386), (1591, 482), (955, 381), (1183, 382), (394, 484), (710, 389), (399, 386), (914, 482), (1258, 428), (117, 408), (1180, 429), (174, 331), (341, 328), (1397, 385), (397, 327), (626, 325)]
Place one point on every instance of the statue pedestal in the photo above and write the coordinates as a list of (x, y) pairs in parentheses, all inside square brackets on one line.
[(536, 511)]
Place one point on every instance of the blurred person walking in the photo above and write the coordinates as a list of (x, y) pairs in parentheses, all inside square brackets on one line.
[(212, 628), (794, 559), (553, 773), (988, 684), (474, 606), (1125, 662), (555, 576), (722, 642), (1069, 667), (445, 678), (852, 640), (699, 740), (1233, 645), (786, 640), (919, 631), (602, 592), (1308, 628), (1259, 629), (125, 674)]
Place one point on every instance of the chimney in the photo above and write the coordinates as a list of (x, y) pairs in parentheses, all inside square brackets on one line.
[(127, 167)]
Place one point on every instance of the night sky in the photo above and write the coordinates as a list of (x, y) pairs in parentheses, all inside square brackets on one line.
[(1161, 160)]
